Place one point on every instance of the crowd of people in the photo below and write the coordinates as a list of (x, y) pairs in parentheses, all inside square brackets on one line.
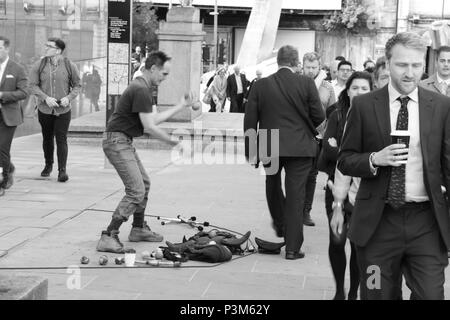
[(388, 197)]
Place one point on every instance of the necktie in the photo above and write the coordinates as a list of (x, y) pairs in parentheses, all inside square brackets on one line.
[(444, 88), (396, 189)]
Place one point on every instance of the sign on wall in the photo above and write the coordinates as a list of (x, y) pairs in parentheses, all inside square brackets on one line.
[(119, 50)]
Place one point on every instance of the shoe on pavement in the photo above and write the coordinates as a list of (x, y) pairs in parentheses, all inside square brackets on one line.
[(62, 176), (290, 255), (10, 180), (144, 234), (110, 242), (307, 221), (278, 230), (47, 170)]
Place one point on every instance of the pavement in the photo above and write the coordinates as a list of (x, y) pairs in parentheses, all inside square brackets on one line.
[(51, 225)]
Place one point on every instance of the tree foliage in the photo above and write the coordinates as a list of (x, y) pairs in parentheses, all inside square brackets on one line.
[(145, 24), (352, 18)]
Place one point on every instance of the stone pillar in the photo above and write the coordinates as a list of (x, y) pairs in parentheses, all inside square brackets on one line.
[(181, 38)]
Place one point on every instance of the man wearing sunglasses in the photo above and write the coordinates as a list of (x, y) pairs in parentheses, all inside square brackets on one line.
[(56, 82)]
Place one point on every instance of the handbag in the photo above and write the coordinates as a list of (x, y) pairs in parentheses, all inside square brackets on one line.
[(206, 99)]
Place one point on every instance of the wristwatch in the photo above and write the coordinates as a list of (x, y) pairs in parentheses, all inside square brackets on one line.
[(336, 205), (371, 160)]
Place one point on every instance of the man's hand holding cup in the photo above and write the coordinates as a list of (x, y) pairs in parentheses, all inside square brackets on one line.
[(396, 154)]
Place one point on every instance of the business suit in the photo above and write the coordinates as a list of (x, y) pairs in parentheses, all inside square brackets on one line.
[(236, 100), (13, 86), (268, 108), (432, 84), (374, 223)]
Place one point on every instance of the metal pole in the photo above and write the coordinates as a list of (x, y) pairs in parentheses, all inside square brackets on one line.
[(170, 4), (216, 13), (443, 7)]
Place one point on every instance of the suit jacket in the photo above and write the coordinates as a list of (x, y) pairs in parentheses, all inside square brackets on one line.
[(432, 84), (14, 86), (232, 85), (269, 108), (368, 130)]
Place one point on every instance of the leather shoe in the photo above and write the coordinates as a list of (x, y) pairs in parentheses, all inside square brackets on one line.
[(307, 221), (290, 255), (278, 230)]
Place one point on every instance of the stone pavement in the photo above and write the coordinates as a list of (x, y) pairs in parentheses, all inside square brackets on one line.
[(44, 223)]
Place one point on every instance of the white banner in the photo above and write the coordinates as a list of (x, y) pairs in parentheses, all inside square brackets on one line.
[(287, 4)]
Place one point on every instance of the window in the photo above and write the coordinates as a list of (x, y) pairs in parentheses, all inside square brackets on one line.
[(36, 7), (66, 7), (2, 6), (93, 7)]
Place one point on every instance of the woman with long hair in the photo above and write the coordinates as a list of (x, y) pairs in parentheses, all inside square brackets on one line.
[(341, 190)]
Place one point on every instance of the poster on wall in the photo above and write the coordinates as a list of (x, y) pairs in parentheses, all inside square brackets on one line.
[(119, 50)]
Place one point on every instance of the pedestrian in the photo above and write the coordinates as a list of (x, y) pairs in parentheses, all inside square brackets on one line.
[(344, 71), (400, 221), (440, 81), (236, 90), (56, 83), (13, 89), (339, 199), (217, 90), (381, 73), (311, 68), (94, 84), (259, 75), (334, 67), (135, 113), (286, 105), (369, 66)]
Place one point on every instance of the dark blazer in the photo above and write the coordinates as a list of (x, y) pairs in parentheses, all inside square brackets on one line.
[(232, 85), (368, 130), (268, 108), (14, 86)]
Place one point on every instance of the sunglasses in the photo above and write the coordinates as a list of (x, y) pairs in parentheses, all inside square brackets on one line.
[(49, 46)]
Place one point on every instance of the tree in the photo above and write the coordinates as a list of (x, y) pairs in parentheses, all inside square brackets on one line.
[(145, 24)]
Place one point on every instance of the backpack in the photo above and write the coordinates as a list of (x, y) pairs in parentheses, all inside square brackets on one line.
[(66, 64)]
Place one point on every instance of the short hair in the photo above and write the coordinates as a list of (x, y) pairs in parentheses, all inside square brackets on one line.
[(157, 58), (340, 58), (344, 63), (442, 49), (408, 39), (311, 56), (287, 56), (366, 62), (59, 43), (381, 64), (6, 41)]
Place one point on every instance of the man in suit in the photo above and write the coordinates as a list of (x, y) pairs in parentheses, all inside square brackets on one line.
[(237, 85), (400, 221), (285, 107), (440, 81), (13, 88)]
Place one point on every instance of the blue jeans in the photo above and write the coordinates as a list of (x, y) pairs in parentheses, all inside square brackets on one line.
[(119, 150)]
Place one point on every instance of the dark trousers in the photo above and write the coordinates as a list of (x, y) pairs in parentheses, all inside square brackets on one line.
[(406, 240), (337, 255), (55, 127), (237, 103), (287, 210), (311, 184), (6, 137)]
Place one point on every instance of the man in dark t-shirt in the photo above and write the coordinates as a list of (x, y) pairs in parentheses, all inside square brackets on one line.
[(135, 113)]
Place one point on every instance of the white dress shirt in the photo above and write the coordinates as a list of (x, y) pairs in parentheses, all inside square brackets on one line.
[(414, 186), (441, 84), (2, 71), (240, 89)]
